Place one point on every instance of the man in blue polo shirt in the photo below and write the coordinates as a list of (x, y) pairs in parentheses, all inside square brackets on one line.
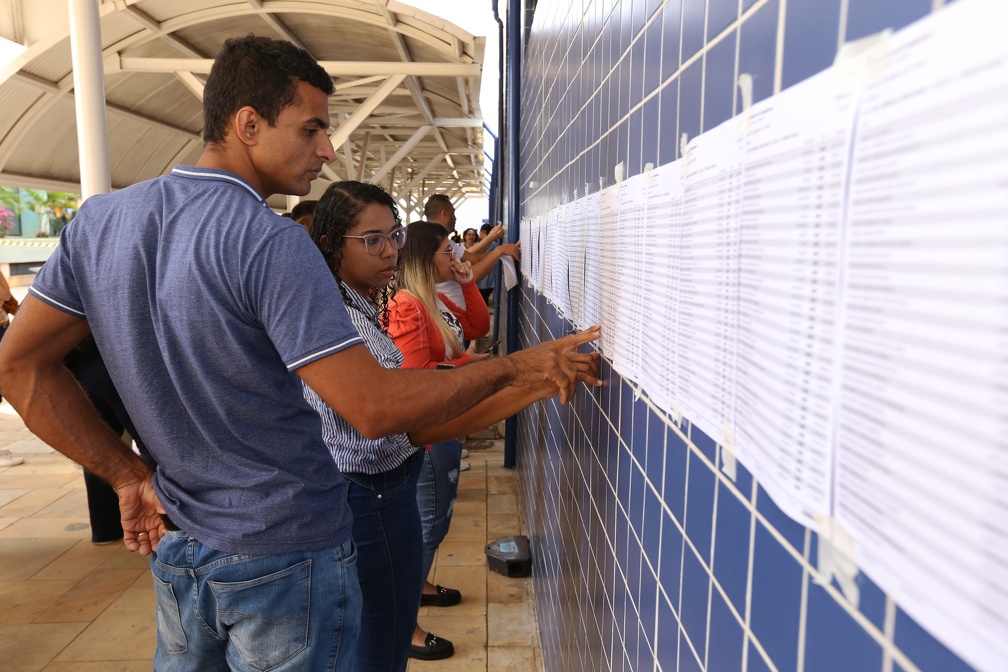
[(209, 310)]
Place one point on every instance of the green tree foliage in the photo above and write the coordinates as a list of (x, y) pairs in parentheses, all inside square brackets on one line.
[(51, 206)]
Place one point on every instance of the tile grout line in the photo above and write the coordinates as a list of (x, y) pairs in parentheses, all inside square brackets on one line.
[(890, 629), (657, 92), (747, 625), (803, 609)]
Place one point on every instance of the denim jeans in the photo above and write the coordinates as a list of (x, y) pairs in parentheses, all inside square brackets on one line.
[(223, 611), (436, 493), (389, 557)]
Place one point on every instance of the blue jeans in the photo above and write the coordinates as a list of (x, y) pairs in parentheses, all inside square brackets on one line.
[(223, 611), (436, 494), (386, 531)]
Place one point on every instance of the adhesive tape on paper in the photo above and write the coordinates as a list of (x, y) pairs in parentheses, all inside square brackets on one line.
[(857, 62), (745, 88), (677, 414), (648, 170), (837, 557), (618, 174), (728, 462)]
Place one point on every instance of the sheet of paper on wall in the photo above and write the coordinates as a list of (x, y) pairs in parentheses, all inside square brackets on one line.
[(660, 261), (796, 149), (576, 260), (923, 430), (525, 234), (708, 278), (627, 257), (543, 258), (553, 255), (546, 237), (508, 272), (530, 254), (561, 266), (609, 274), (592, 301)]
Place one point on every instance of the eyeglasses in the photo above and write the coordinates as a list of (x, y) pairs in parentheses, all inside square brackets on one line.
[(374, 243), (450, 250)]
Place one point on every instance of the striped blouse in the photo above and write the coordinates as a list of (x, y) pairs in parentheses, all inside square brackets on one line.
[(353, 452)]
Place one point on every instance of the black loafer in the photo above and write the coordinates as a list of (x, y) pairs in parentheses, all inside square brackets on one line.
[(444, 597), (434, 648)]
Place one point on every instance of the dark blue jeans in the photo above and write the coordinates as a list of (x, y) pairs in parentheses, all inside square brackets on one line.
[(436, 494), (386, 531), (221, 612)]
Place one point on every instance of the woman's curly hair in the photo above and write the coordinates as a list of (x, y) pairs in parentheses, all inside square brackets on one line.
[(336, 213)]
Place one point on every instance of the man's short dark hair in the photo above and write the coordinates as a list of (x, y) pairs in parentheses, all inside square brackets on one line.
[(259, 72), (435, 205), (303, 208), (485, 229)]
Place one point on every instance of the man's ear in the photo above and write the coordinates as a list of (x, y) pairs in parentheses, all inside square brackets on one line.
[(246, 123)]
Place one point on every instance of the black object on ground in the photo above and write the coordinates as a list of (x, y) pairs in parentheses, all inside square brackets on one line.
[(510, 556)]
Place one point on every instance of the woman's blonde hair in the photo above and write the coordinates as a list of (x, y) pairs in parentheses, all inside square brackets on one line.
[(418, 275)]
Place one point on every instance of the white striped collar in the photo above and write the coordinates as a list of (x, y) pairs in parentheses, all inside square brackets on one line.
[(209, 174)]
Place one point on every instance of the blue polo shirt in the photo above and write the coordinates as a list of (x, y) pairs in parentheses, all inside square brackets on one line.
[(203, 303)]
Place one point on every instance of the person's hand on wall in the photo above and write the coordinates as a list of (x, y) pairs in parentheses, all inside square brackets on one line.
[(512, 250), (496, 233), (558, 362), (587, 366)]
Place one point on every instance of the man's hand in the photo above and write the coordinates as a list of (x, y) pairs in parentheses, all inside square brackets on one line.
[(587, 366), (495, 233), (141, 512), (512, 250), (558, 362), (54, 407)]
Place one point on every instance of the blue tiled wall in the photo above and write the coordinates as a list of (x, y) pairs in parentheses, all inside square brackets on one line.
[(647, 557)]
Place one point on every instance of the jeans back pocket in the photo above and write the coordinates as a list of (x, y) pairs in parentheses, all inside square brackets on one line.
[(266, 618), (169, 620)]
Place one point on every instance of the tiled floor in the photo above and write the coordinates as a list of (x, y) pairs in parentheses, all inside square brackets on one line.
[(67, 605)]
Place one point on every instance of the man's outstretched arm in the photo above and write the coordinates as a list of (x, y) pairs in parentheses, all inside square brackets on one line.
[(482, 264), (484, 242), (55, 408), (379, 402)]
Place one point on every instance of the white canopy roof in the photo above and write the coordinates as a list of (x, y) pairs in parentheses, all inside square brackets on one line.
[(405, 112)]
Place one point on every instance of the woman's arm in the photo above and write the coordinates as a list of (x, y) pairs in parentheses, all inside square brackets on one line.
[(409, 327), (501, 405), (475, 317)]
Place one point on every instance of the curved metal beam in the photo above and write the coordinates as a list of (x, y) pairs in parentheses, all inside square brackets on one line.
[(334, 68)]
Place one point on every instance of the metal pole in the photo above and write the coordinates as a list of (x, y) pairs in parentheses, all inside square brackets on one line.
[(89, 93), (514, 50)]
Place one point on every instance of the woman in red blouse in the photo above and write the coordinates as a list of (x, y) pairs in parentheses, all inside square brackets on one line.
[(429, 330), (427, 327)]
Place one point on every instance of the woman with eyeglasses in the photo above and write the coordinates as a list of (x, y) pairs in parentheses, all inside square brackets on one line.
[(358, 231), (429, 330)]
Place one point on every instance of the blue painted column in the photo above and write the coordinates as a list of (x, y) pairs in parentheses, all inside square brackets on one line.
[(511, 134)]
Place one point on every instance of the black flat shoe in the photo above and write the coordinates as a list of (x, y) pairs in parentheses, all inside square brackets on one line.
[(444, 597), (434, 648)]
